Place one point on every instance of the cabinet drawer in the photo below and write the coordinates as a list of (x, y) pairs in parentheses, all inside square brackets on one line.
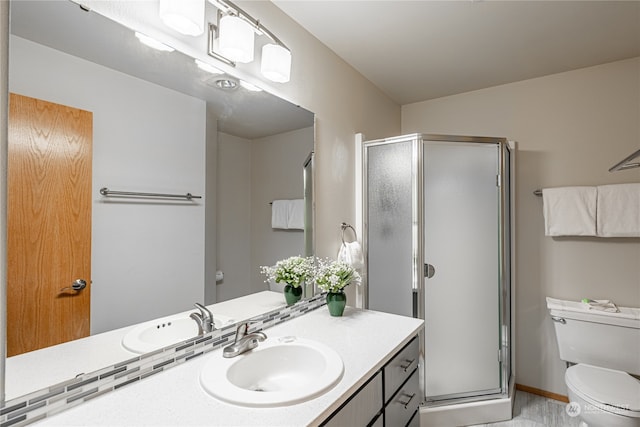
[(404, 403), (399, 368), (362, 407)]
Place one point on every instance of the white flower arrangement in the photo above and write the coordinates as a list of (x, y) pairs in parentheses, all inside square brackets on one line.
[(292, 271), (333, 276)]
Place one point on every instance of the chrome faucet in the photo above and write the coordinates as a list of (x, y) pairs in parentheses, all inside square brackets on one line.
[(244, 341), (204, 319)]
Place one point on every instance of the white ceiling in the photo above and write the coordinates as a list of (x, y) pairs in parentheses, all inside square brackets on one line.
[(419, 50), (64, 26)]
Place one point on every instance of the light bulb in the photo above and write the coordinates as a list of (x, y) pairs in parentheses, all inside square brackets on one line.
[(276, 63), (208, 67), (250, 87), (184, 16), (151, 42), (235, 40)]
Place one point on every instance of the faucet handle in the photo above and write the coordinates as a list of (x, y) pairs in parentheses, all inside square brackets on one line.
[(208, 324), (204, 310), (199, 321), (242, 330)]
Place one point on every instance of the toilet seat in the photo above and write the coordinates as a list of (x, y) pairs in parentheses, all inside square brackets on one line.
[(607, 389)]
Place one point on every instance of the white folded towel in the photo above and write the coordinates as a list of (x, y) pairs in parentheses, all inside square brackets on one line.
[(619, 210), (279, 213), (569, 211), (600, 305), (351, 253), (578, 307), (295, 216)]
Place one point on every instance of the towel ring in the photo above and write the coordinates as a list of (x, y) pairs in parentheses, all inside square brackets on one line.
[(343, 227)]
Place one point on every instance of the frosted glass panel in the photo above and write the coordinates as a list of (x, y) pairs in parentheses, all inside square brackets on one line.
[(461, 241), (389, 225)]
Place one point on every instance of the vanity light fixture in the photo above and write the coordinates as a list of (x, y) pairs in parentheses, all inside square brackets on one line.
[(234, 44), (208, 67), (250, 87), (235, 39), (184, 16), (276, 63), (153, 43)]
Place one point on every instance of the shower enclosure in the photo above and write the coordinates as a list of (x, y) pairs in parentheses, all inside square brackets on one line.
[(437, 221)]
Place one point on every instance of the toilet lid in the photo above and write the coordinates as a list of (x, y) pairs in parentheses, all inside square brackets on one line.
[(606, 386)]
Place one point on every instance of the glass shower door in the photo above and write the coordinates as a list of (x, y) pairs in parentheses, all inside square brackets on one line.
[(461, 202), (390, 190)]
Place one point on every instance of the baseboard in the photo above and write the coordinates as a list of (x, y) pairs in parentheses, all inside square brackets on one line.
[(542, 393)]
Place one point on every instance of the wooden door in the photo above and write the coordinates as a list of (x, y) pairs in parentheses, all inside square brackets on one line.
[(49, 223)]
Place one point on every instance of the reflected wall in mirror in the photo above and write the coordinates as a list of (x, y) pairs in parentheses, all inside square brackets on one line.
[(159, 124)]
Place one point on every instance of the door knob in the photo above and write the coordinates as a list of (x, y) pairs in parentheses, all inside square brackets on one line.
[(77, 285)]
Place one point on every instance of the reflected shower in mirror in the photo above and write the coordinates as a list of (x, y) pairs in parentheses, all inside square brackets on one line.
[(151, 122)]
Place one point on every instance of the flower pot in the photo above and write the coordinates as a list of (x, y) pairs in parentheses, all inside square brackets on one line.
[(292, 294), (336, 302)]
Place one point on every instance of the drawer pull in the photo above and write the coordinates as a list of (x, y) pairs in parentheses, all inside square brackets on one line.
[(406, 364), (410, 396)]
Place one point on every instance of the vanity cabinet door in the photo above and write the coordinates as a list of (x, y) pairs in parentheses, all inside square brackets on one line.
[(379, 422), (399, 368), (404, 403), (362, 407)]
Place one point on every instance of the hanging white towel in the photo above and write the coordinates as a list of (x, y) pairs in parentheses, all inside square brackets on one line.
[(279, 213), (295, 216), (351, 253), (569, 211), (619, 210)]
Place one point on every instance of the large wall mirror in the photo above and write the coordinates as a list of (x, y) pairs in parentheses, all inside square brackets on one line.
[(155, 123)]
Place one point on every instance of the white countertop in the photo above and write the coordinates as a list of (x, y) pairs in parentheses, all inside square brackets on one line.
[(38, 369), (365, 340)]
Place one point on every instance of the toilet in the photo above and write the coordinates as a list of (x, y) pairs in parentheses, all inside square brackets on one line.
[(603, 349)]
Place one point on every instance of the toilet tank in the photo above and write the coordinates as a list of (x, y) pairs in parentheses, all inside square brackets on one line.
[(609, 340)]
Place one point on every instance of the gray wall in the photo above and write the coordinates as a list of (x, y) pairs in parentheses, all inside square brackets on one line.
[(251, 174), (147, 258), (570, 128), (233, 216), (276, 173), (211, 214)]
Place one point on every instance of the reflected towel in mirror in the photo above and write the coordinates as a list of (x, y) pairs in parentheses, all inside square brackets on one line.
[(279, 213), (295, 218), (287, 214)]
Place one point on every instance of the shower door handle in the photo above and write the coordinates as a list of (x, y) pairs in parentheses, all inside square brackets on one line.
[(429, 271)]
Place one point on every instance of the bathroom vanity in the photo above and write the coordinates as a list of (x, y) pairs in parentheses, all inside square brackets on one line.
[(42, 368), (391, 397), (372, 345)]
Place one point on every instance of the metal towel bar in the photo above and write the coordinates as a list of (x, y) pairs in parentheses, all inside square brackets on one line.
[(106, 192), (343, 227)]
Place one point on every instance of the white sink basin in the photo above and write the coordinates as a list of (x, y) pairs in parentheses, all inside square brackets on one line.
[(155, 334), (280, 371)]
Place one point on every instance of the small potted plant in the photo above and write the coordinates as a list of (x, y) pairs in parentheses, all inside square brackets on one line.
[(332, 277), (292, 271)]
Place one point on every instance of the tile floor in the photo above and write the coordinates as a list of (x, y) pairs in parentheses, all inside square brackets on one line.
[(530, 410)]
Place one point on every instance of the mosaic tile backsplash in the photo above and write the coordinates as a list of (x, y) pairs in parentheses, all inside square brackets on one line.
[(57, 398)]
